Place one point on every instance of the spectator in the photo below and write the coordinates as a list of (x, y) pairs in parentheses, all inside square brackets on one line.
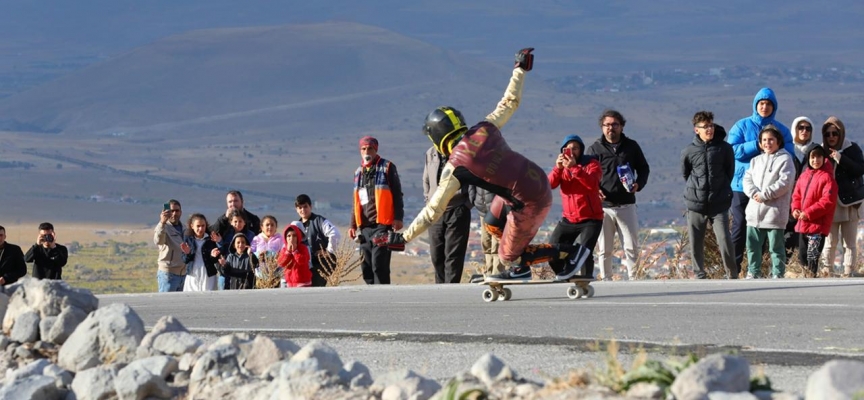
[(268, 242), (378, 208), (448, 237), (614, 149), (488, 242), (168, 237), (803, 136), (768, 182), (813, 203), (708, 166), (240, 265), (238, 225), (480, 156), (744, 138), (47, 256), (848, 170), (294, 258), (201, 255), (12, 265), (321, 236), (234, 199), (579, 177)]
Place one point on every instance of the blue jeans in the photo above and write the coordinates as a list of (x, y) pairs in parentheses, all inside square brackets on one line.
[(169, 282)]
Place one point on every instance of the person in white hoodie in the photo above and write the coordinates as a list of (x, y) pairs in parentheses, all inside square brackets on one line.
[(802, 134), (768, 183)]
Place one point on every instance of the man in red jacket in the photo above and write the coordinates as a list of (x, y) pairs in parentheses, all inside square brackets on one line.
[(578, 176)]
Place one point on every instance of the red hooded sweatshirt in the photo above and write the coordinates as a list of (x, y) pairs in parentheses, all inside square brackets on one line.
[(580, 188), (816, 195), (295, 263)]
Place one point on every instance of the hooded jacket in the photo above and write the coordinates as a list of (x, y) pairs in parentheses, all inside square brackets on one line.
[(708, 169), (801, 144), (295, 263), (848, 172), (239, 269), (579, 184), (816, 195), (744, 137), (772, 176), (628, 152)]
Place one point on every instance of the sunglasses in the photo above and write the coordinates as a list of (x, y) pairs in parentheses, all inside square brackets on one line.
[(805, 128), (831, 134)]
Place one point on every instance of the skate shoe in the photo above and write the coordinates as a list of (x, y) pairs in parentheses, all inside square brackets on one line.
[(574, 264), (520, 273)]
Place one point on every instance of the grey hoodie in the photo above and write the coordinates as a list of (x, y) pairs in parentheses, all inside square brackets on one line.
[(772, 176)]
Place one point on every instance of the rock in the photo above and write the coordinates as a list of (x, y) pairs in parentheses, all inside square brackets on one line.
[(135, 382), (95, 383), (326, 356), (181, 378), (176, 343), (23, 352), (261, 354), (187, 361), (714, 373), (109, 335), (644, 390), (4, 342), (234, 339), (165, 324), (30, 369), (45, 326), (731, 396), (310, 367), (287, 347), (769, 395), (47, 298), (837, 379), (219, 361), (32, 387), (355, 374), (26, 328), (4, 303), (67, 321), (404, 384), (62, 377), (161, 366), (490, 369)]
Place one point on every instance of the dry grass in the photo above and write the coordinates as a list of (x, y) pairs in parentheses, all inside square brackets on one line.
[(269, 273), (342, 265), (648, 259)]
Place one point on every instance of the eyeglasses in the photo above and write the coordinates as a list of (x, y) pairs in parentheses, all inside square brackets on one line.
[(831, 134), (612, 125), (706, 127), (805, 128)]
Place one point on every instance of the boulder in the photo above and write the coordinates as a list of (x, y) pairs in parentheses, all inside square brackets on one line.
[(25, 329), (165, 324), (490, 369), (47, 298), (28, 370), (714, 373), (404, 384), (327, 358), (45, 325), (261, 354), (62, 377), (355, 374), (162, 366), (69, 319), (176, 343), (837, 379), (32, 387), (137, 382), (95, 383), (109, 335)]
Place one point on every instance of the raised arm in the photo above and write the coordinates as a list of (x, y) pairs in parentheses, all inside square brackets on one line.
[(448, 186), (513, 95)]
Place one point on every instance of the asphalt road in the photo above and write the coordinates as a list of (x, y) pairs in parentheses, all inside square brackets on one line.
[(795, 324)]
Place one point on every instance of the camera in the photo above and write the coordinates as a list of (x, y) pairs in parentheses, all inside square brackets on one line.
[(46, 238)]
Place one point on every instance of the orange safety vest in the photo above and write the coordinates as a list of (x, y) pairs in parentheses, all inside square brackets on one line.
[(383, 195)]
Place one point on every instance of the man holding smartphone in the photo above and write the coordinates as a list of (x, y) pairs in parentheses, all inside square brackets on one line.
[(168, 237), (47, 256)]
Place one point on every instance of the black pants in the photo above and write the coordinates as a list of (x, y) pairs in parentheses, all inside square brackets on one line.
[(317, 279), (810, 251), (376, 260), (739, 229), (448, 242), (585, 233)]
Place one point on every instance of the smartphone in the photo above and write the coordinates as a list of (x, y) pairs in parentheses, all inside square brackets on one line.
[(568, 152), (166, 206)]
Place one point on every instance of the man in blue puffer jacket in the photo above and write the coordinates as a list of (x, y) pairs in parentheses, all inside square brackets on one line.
[(744, 138)]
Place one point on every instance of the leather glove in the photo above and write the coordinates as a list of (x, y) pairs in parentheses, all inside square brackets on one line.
[(524, 59), (392, 240)]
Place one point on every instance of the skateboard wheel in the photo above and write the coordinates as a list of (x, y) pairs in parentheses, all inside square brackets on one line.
[(590, 292), (574, 292), (506, 294), (490, 295)]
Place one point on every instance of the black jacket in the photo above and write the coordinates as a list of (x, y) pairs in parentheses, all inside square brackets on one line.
[(210, 263), (222, 224), (47, 263), (850, 182), (628, 152), (708, 169), (12, 266)]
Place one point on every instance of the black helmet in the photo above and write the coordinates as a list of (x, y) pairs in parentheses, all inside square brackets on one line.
[(441, 124)]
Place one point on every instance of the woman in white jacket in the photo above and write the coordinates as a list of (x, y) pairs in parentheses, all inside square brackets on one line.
[(769, 183)]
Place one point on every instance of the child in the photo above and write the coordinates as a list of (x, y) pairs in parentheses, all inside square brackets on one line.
[(238, 225), (200, 254), (768, 183), (321, 235), (239, 268), (294, 258), (268, 242), (813, 205)]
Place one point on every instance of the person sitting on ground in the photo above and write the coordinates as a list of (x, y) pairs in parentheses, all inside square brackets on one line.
[(768, 183), (240, 265), (201, 255), (813, 203), (481, 157), (294, 258)]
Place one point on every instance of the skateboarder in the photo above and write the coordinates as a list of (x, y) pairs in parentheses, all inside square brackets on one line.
[(480, 156)]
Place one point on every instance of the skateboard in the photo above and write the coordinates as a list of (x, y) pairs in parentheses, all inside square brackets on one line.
[(497, 291)]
